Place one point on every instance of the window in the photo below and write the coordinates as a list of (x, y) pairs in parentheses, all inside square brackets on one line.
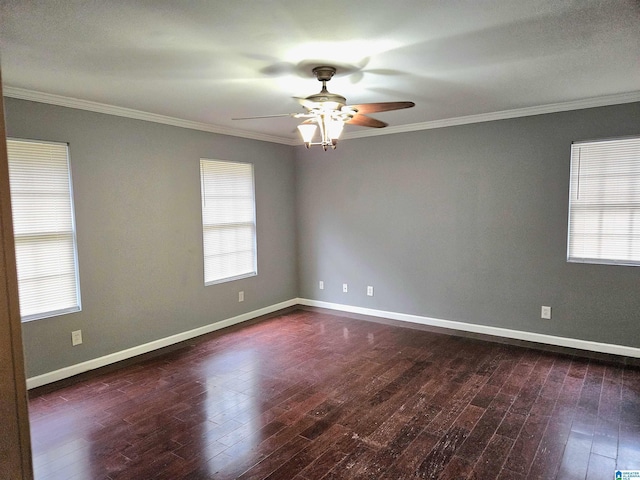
[(228, 220), (604, 202), (44, 228)]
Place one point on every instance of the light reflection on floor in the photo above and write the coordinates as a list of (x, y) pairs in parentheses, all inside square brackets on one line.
[(237, 401)]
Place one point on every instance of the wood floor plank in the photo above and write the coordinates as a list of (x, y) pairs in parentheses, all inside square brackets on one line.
[(307, 395)]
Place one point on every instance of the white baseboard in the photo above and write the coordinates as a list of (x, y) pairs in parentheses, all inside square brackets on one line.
[(482, 329), (72, 370)]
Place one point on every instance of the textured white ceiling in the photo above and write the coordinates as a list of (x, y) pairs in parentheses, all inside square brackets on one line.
[(210, 61)]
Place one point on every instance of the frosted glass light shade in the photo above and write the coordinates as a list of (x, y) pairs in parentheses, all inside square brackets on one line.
[(307, 130), (334, 129)]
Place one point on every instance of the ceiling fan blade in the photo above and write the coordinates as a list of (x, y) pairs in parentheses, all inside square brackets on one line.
[(381, 107), (295, 115), (365, 121)]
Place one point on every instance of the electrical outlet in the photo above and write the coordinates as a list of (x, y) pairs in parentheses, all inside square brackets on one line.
[(345, 288), (241, 296), (370, 291), (76, 337), (545, 313), (321, 285)]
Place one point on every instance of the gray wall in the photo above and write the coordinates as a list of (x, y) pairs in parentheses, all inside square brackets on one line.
[(465, 223), (137, 202)]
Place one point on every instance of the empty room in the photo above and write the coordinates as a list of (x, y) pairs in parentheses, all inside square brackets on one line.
[(320, 240)]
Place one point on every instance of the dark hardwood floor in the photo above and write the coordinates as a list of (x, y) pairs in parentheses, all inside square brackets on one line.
[(308, 396)]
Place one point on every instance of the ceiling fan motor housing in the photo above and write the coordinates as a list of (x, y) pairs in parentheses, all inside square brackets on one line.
[(325, 96), (329, 100)]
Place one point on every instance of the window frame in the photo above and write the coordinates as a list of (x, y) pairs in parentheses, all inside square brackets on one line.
[(77, 307), (252, 223), (602, 207)]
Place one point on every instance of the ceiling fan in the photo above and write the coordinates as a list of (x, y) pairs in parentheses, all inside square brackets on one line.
[(329, 112)]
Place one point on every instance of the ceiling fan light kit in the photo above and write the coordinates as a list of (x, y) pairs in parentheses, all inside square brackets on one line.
[(328, 112)]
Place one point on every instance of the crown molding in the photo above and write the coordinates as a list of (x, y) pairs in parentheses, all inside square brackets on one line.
[(25, 94), (62, 101), (502, 115)]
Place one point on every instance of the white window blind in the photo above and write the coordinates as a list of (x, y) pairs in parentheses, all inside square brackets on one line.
[(44, 228), (228, 220), (604, 202)]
